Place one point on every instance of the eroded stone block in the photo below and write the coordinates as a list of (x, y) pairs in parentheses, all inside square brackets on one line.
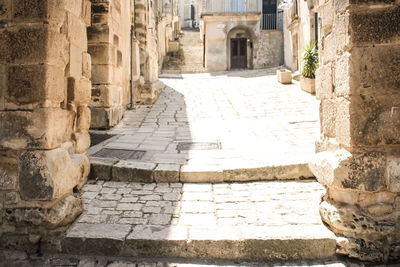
[(102, 74), (393, 174), (75, 7), (50, 11), (79, 92), (50, 174), (76, 32), (9, 171), (380, 25), (34, 84), (102, 53), (106, 96), (105, 118), (27, 42), (99, 34), (45, 128), (75, 66), (83, 119), (82, 142), (342, 169)]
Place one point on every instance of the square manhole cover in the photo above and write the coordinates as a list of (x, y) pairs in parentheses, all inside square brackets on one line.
[(198, 146), (122, 154)]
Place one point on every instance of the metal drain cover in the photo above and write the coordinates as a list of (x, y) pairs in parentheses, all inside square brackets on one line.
[(198, 146), (123, 154)]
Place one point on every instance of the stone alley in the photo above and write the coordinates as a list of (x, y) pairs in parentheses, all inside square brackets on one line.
[(235, 126), (262, 131), (199, 133)]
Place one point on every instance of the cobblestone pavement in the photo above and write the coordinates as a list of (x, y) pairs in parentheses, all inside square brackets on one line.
[(186, 206), (252, 120), (222, 221), (19, 259)]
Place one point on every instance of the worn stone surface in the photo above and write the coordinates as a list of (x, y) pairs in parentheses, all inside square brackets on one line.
[(358, 85), (276, 125), (43, 116), (50, 260), (263, 220), (189, 57)]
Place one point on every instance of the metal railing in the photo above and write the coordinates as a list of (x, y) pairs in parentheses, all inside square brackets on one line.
[(272, 21), (232, 6)]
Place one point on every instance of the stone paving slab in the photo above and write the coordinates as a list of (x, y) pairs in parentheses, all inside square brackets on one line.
[(265, 130), (18, 259), (258, 220)]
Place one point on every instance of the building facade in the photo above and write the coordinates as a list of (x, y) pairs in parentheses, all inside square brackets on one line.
[(300, 28), (240, 34)]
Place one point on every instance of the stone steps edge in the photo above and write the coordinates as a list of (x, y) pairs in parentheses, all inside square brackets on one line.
[(247, 249), (125, 171)]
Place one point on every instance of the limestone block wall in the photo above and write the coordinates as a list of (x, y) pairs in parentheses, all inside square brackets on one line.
[(44, 118), (268, 49), (358, 159), (147, 88), (109, 40)]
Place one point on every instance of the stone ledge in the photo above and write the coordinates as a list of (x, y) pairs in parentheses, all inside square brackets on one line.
[(148, 172)]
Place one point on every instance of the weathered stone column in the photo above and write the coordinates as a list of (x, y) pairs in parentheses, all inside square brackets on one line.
[(358, 156), (148, 87), (44, 119), (108, 59)]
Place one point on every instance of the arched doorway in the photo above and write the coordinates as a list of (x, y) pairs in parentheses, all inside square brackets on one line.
[(240, 48)]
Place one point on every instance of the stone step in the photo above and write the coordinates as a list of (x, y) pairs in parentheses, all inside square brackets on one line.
[(179, 71), (165, 171), (258, 221)]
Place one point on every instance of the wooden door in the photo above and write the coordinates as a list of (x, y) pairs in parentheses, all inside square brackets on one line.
[(238, 53)]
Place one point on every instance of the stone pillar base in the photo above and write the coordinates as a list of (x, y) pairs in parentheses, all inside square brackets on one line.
[(106, 118), (361, 206), (147, 94), (24, 228)]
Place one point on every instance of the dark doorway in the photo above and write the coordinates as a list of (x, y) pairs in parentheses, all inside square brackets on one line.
[(192, 12), (238, 53)]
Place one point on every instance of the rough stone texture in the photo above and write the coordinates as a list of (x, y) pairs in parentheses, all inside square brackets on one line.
[(52, 260), (154, 28), (268, 49), (276, 125), (43, 116), (109, 47), (189, 57), (358, 84), (264, 220)]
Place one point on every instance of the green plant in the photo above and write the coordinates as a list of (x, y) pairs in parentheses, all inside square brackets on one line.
[(310, 60)]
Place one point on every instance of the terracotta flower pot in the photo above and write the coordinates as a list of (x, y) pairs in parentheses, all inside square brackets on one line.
[(308, 85)]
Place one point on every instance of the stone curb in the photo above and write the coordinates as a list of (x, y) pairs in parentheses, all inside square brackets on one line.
[(137, 171), (157, 241)]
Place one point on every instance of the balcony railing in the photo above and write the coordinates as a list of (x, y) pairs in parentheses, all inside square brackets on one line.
[(232, 6), (272, 21)]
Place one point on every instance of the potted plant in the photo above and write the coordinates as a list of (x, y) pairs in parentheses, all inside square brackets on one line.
[(310, 65)]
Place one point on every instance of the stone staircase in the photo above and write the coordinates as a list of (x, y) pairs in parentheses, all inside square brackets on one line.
[(262, 221), (189, 58)]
